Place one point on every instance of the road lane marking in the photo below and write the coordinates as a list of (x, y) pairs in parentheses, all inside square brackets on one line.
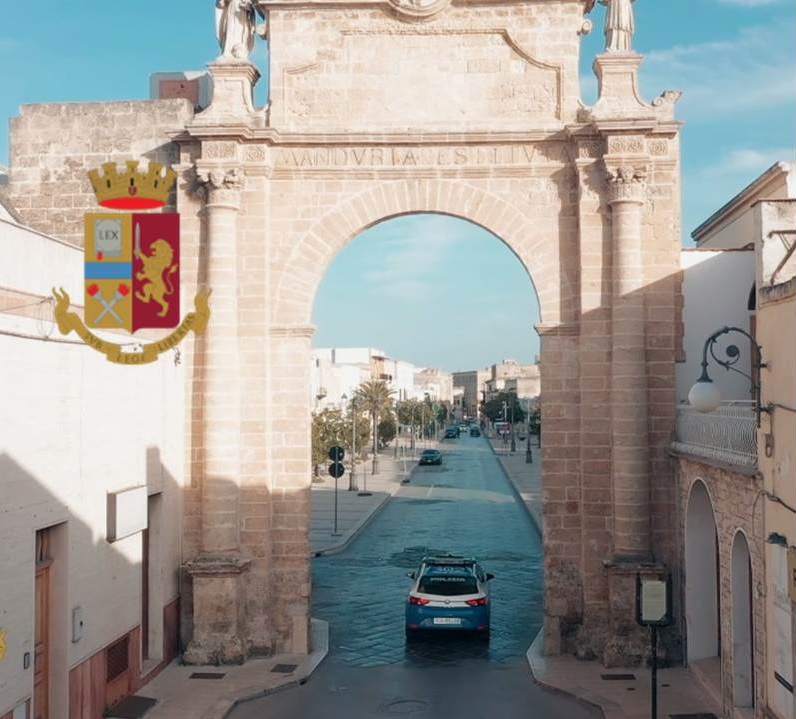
[(430, 490)]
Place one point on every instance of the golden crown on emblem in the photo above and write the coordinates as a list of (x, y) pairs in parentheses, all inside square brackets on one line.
[(133, 189)]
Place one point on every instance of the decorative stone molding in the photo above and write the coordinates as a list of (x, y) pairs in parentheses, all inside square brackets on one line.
[(220, 150), (627, 183), (305, 331), (658, 148), (665, 102), (255, 153), (220, 178), (570, 329), (418, 9), (626, 145), (590, 149), (221, 566), (222, 185)]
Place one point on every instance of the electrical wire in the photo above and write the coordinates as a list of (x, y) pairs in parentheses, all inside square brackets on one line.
[(22, 307), (27, 336), (774, 498)]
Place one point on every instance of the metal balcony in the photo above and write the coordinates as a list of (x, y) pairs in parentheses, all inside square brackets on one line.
[(726, 435)]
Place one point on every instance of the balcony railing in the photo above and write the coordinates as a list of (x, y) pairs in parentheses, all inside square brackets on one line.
[(727, 435)]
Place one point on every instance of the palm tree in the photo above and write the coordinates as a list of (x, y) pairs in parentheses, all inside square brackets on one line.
[(374, 396)]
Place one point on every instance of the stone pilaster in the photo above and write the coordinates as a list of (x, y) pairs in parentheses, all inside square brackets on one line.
[(218, 588), (630, 474)]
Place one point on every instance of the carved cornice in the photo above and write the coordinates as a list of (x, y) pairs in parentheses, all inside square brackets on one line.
[(627, 183)]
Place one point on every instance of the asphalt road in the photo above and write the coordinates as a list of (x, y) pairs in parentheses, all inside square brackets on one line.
[(466, 506)]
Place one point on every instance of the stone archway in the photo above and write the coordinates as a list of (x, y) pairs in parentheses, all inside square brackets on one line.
[(399, 108), (743, 681), (701, 576)]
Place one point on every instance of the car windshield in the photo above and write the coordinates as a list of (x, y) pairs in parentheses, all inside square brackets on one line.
[(430, 452), (450, 585)]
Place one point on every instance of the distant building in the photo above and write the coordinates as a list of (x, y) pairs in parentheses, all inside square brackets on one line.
[(335, 374), (473, 384), (438, 384), (509, 375)]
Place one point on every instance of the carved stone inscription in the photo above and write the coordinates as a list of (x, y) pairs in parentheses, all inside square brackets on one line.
[(321, 158)]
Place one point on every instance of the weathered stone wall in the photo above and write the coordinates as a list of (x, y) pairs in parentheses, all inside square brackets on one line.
[(265, 208), (492, 68), (737, 506), (52, 147)]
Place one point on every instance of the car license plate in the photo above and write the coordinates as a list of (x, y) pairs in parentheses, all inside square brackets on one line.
[(447, 620)]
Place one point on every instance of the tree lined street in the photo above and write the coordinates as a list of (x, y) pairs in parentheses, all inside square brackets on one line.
[(465, 506)]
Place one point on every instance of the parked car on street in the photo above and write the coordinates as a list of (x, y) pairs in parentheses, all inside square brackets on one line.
[(431, 456), (452, 433), (448, 592)]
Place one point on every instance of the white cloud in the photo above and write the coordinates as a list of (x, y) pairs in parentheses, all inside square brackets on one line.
[(746, 162), (709, 186), (753, 71)]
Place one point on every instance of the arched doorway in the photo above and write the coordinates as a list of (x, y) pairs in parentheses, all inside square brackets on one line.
[(586, 198), (701, 577), (743, 683)]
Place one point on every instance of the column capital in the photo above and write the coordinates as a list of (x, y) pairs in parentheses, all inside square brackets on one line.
[(626, 182), (222, 185)]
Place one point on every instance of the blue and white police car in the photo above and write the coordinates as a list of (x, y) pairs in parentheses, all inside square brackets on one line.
[(448, 593)]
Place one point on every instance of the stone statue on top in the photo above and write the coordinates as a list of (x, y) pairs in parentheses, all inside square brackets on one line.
[(619, 25), (236, 27)]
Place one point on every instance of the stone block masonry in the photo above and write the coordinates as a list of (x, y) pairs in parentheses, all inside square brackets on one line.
[(54, 145)]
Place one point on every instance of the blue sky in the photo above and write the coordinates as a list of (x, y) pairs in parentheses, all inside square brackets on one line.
[(735, 60)]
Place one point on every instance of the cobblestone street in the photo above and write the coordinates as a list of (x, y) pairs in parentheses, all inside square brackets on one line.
[(466, 506)]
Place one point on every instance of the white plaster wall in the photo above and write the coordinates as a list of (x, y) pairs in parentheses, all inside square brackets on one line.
[(716, 287), (74, 427)]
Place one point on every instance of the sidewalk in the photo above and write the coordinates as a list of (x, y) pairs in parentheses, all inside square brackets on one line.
[(679, 691), (354, 511), (213, 695), (525, 478)]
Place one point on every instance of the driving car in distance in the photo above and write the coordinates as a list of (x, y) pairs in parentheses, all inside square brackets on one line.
[(431, 456), (475, 432), (452, 433), (448, 592)]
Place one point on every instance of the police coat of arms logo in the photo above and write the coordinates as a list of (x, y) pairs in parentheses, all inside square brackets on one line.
[(132, 266)]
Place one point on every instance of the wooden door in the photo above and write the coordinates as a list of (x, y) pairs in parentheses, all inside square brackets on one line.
[(41, 656)]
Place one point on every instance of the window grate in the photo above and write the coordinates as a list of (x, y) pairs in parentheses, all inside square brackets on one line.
[(117, 659)]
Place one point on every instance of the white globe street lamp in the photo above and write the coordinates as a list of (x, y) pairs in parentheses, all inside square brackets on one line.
[(705, 396)]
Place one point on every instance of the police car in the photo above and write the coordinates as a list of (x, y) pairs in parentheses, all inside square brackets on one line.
[(448, 593)]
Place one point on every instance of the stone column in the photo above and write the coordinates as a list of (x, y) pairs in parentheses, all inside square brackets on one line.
[(218, 596), (630, 474)]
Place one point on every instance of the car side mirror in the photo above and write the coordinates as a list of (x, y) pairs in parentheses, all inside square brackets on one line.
[(489, 576), (411, 575)]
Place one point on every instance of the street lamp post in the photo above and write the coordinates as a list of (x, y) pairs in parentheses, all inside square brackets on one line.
[(528, 452), (705, 396), (513, 440), (352, 484)]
